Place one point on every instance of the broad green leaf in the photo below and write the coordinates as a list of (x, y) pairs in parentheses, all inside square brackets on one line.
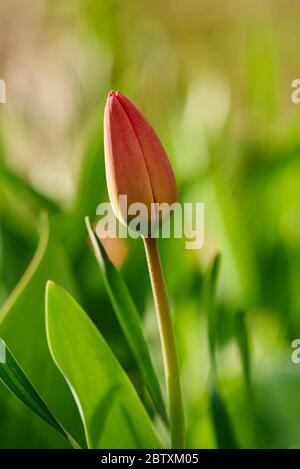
[(14, 378), (212, 277), (222, 424), (22, 325), (129, 320), (111, 411)]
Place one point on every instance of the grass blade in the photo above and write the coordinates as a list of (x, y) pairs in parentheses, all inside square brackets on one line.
[(243, 344), (245, 353), (212, 277), (14, 378), (224, 432)]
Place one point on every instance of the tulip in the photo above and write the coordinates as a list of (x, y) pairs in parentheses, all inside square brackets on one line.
[(137, 166), (135, 161)]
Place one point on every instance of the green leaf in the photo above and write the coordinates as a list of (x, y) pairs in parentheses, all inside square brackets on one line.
[(212, 277), (129, 320), (243, 343), (111, 411), (22, 326), (222, 424), (14, 378), (244, 349)]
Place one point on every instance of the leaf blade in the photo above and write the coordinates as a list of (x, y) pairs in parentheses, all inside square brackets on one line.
[(243, 344), (212, 278), (224, 432), (129, 320), (14, 378), (223, 428), (22, 326), (104, 394)]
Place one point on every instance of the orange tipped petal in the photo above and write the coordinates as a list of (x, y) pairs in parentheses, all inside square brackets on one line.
[(135, 160), (161, 175), (126, 172)]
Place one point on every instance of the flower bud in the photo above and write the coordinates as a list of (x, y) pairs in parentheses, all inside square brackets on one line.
[(136, 164)]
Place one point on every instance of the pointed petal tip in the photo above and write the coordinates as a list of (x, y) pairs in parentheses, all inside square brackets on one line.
[(110, 102)]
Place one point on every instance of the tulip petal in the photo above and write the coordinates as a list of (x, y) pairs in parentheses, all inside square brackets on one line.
[(126, 171), (158, 166)]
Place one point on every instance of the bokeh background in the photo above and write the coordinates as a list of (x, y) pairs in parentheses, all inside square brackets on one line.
[(214, 79)]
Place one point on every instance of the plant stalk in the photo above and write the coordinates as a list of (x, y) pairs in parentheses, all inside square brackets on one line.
[(167, 338)]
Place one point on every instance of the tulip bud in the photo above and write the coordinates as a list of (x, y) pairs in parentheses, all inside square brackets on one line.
[(136, 163)]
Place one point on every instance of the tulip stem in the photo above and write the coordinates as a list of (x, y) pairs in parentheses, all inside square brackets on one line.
[(168, 343)]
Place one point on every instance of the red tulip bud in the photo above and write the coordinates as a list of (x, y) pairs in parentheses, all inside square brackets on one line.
[(136, 163)]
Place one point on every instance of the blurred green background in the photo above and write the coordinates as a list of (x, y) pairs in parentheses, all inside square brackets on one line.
[(214, 79)]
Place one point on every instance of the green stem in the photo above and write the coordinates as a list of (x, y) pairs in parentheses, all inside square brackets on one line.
[(168, 343)]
